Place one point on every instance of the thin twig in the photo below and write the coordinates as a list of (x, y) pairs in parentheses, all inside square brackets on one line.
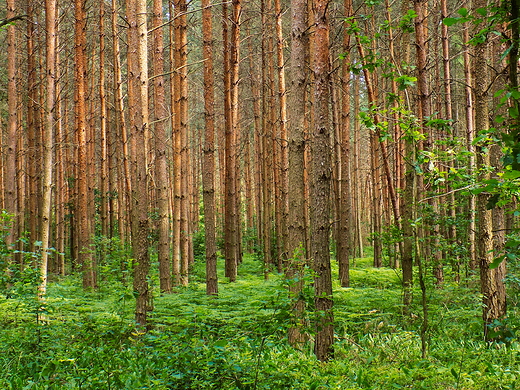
[(446, 193)]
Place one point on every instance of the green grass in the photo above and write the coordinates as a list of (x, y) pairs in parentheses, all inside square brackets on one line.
[(237, 341)]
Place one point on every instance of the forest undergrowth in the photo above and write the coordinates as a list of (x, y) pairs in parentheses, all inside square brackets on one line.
[(88, 340)]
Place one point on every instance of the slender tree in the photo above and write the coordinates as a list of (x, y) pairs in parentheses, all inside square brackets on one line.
[(208, 178), (161, 164), (48, 152), (493, 293), (231, 227), (282, 141), (321, 178), (296, 145), (10, 188), (138, 100), (344, 158)]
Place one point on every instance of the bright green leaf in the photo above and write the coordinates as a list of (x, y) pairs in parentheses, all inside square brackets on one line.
[(450, 21), (463, 12), (496, 262), (511, 175), (482, 11)]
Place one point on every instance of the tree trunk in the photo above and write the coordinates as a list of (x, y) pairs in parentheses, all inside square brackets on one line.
[(84, 197), (284, 162), (321, 179), (138, 100), (103, 180), (494, 300), (9, 179), (48, 153), (208, 175), (344, 177), (231, 217), (161, 164), (297, 256)]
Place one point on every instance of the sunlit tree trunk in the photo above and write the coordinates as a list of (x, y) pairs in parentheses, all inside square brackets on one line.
[(48, 152), (161, 167), (181, 133), (356, 176), (282, 141), (320, 189), (176, 147), (138, 100), (470, 135)]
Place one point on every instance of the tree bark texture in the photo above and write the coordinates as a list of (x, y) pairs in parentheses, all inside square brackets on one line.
[(321, 179), (208, 176)]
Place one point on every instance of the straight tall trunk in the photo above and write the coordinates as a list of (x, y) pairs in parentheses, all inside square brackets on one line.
[(84, 197), (103, 180), (208, 175), (10, 188), (124, 185), (297, 256), (181, 47), (33, 129), (48, 152), (175, 124), (231, 217), (138, 100), (493, 294), (344, 190), (470, 136), (321, 179), (161, 164), (284, 162)]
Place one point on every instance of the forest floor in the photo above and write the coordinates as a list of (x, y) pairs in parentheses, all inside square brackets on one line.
[(88, 340)]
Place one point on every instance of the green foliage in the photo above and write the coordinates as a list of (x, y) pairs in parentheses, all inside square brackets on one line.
[(406, 22), (238, 340), (114, 263)]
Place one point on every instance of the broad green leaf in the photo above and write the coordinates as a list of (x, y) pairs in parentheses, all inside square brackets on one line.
[(499, 93), (454, 373), (511, 175), (463, 12), (482, 11), (496, 262), (450, 21)]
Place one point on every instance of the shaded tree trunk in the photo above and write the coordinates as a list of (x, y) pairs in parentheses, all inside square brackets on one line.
[(321, 179), (9, 179), (208, 178), (84, 197), (494, 300), (344, 176), (297, 256)]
